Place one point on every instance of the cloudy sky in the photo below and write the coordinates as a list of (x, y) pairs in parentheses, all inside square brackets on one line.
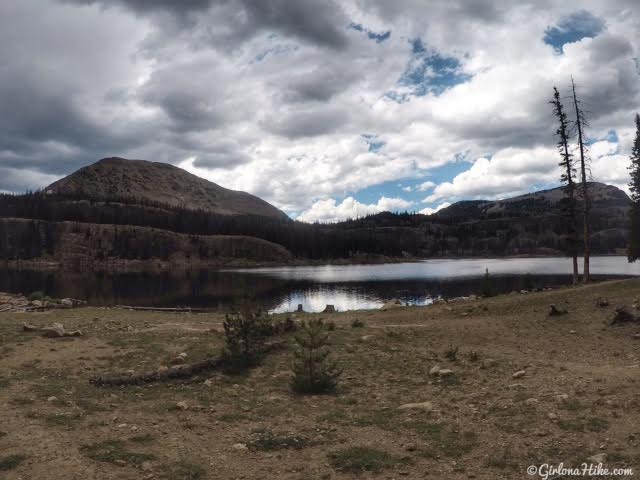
[(326, 109)]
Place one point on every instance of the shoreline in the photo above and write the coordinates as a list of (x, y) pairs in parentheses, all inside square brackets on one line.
[(124, 265)]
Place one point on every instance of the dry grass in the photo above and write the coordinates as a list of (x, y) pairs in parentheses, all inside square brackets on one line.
[(482, 421)]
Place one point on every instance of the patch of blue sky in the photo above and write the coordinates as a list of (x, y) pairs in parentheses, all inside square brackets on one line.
[(428, 72), (372, 141), (611, 136), (377, 37), (408, 188), (573, 28), (278, 49)]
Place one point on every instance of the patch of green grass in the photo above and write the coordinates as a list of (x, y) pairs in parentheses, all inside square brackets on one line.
[(68, 420), (233, 417), (445, 441), (21, 401), (596, 424), (572, 404), (143, 438), (362, 459), (10, 462), (182, 470), (266, 440), (593, 424), (112, 451)]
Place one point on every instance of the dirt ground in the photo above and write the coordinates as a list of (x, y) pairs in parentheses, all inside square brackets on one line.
[(578, 395)]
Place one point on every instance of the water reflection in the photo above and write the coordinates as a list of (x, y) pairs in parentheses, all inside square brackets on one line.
[(282, 289)]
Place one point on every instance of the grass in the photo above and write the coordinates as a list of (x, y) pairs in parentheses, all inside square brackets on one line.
[(182, 470), (266, 440), (593, 424), (114, 451), (445, 441), (144, 438), (10, 462), (362, 459), (68, 420)]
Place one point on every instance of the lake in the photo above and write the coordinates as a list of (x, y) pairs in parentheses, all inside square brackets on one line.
[(281, 289)]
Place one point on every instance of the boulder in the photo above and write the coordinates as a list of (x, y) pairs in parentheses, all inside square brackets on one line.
[(427, 406), (555, 311), (53, 331)]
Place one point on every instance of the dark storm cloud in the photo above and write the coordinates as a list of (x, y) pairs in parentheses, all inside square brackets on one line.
[(308, 123), (319, 22)]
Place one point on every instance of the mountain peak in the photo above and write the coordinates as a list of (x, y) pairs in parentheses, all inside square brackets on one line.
[(115, 178)]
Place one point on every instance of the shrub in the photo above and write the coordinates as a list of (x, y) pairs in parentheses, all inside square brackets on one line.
[(357, 323), (313, 372), (244, 335), (487, 285), (451, 353), (37, 295), (362, 459)]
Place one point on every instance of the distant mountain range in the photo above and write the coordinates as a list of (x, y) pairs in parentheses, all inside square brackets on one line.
[(120, 212)]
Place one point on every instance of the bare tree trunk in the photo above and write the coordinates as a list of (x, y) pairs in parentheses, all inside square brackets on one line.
[(586, 275)]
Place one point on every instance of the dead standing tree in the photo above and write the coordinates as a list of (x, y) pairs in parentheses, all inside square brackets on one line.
[(580, 123), (567, 178)]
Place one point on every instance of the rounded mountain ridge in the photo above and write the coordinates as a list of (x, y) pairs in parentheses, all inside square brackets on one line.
[(116, 178)]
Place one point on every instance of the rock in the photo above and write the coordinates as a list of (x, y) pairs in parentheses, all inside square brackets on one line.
[(531, 401), (391, 304), (208, 382), (75, 333), (519, 374), (329, 309), (366, 338), (240, 447), (598, 458), (182, 405), (434, 370), (182, 355), (66, 302), (445, 372), (427, 406), (636, 336), (552, 416), (602, 302), (488, 363), (52, 399), (177, 361), (36, 303), (29, 328), (54, 331), (120, 462), (555, 311)]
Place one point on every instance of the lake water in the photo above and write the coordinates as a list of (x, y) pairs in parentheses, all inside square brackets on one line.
[(281, 289)]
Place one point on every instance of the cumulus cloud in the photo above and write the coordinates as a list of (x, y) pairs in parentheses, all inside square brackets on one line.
[(328, 210), (288, 100), (430, 211)]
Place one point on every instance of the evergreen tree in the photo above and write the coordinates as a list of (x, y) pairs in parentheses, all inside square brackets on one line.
[(634, 186), (244, 335), (313, 372), (580, 123), (567, 178)]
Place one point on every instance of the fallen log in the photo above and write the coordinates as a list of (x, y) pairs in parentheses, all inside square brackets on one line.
[(622, 315), (173, 373), (167, 309)]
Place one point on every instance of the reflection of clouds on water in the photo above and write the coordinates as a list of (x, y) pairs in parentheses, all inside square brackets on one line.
[(316, 300), (445, 269)]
